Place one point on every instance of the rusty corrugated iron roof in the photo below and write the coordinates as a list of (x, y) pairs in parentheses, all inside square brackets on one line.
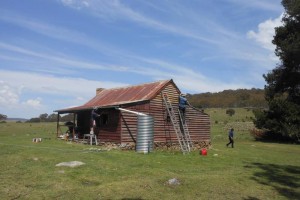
[(122, 95)]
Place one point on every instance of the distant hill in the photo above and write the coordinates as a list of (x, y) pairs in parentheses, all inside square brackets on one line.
[(229, 99), (16, 119)]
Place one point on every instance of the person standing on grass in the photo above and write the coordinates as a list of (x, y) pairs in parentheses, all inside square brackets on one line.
[(230, 136)]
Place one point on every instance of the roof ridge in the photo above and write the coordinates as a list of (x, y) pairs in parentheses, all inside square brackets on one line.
[(130, 86)]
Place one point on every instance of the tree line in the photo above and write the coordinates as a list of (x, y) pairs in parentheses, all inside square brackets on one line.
[(3, 117), (52, 118), (239, 98), (45, 118)]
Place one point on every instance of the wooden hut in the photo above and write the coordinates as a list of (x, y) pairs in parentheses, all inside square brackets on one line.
[(117, 126)]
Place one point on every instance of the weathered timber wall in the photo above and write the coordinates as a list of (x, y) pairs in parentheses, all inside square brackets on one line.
[(198, 122), (198, 125), (163, 128), (111, 130)]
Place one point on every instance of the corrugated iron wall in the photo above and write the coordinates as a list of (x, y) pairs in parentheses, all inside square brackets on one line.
[(198, 123), (144, 141), (129, 122), (163, 128)]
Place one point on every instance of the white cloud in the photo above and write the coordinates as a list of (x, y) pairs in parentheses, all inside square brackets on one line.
[(8, 94), (78, 4), (61, 33), (25, 96), (199, 83), (42, 84), (269, 5), (119, 10), (47, 84), (188, 79), (60, 60), (198, 29), (114, 9), (67, 2), (145, 66), (34, 103), (265, 33), (10, 101)]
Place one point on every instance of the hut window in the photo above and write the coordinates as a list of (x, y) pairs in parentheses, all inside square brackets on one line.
[(104, 119)]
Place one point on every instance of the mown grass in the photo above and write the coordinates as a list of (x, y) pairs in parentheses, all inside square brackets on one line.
[(221, 122), (252, 170)]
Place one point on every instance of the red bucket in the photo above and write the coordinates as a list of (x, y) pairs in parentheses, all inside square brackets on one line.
[(203, 152)]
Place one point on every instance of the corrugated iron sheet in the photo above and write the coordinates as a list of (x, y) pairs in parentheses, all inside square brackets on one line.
[(122, 95)]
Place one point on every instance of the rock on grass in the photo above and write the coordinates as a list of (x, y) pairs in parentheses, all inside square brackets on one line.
[(70, 164)]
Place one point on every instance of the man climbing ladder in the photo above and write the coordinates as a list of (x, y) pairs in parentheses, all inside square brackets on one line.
[(180, 128), (183, 102)]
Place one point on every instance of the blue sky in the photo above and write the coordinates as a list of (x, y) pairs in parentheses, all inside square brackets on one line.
[(55, 53)]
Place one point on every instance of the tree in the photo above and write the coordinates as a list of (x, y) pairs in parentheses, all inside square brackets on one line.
[(67, 117), (3, 117), (282, 91), (52, 117), (43, 117), (230, 112)]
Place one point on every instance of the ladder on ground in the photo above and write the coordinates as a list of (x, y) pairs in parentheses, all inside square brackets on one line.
[(180, 126)]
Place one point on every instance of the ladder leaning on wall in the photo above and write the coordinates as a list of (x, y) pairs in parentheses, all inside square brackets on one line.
[(185, 130), (180, 126)]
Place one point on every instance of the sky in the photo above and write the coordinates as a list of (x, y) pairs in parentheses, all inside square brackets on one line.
[(55, 53)]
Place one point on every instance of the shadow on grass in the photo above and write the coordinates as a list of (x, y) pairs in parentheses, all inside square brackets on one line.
[(132, 199), (283, 178), (251, 198)]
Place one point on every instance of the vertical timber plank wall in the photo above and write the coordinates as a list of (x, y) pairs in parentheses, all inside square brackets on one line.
[(111, 131)]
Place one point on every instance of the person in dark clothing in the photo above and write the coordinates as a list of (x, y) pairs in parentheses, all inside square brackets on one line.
[(182, 105), (94, 116), (230, 136)]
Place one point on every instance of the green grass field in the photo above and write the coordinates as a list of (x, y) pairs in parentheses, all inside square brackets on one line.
[(252, 170)]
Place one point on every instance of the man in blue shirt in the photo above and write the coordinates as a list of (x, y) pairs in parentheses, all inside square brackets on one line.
[(182, 105), (230, 136)]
